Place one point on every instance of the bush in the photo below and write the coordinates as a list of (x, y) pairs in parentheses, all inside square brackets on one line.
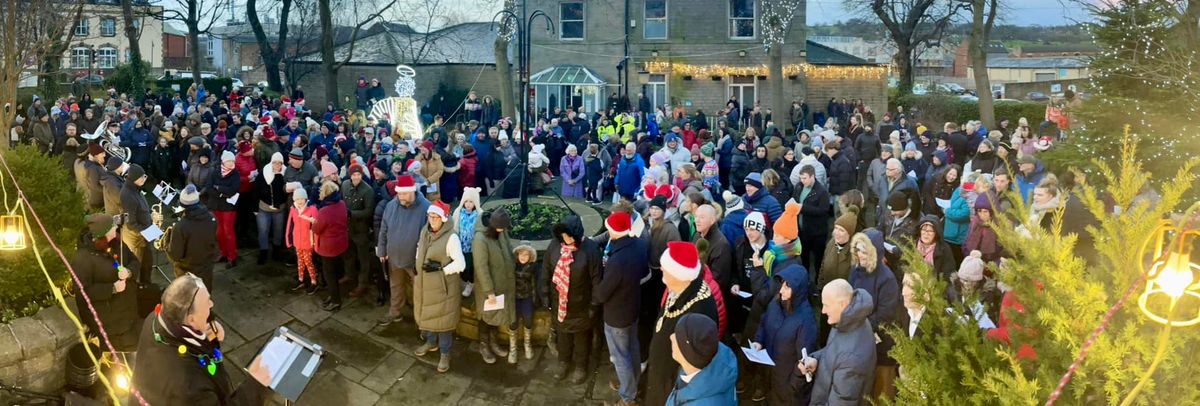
[(126, 80), (212, 84), (933, 110), (23, 287), (536, 225)]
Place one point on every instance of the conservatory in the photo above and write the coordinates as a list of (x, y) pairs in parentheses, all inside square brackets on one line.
[(568, 86)]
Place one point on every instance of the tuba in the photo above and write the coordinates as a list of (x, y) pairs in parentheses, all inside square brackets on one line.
[(113, 149)]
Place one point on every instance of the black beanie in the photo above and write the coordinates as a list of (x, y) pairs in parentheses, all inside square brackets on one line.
[(696, 335), (659, 202), (897, 201), (113, 163), (134, 172)]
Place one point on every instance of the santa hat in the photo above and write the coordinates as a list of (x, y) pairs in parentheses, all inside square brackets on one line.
[(266, 119), (668, 192), (1043, 144), (618, 224), (405, 183), (413, 166), (648, 190), (440, 209), (681, 260)]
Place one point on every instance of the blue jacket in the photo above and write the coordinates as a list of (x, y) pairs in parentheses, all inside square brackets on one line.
[(396, 230), (764, 202), (715, 385), (958, 218), (783, 334), (629, 175), (139, 142), (732, 226), (1026, 183)]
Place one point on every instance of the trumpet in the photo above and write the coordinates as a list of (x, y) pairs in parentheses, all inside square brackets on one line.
[(166, 195)]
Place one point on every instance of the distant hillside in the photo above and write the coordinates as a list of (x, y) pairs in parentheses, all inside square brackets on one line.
[(1010, 35)]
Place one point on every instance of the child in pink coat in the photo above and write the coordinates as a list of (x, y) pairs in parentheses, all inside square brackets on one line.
[(300, 236)]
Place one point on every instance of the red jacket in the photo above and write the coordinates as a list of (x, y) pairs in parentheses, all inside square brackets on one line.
[(466, 170), (300, 231), (330, 229), (1003, 332), (689, 139), (245, 165)]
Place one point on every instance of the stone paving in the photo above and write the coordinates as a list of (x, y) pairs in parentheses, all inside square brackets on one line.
[(370, 365)]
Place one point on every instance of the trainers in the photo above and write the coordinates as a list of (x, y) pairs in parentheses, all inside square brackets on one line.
[(443, 363), (332, 307), (468, 287), (487, 355), (299, 286), (388, 320), (312, 290), (425, 348), (358, 292)]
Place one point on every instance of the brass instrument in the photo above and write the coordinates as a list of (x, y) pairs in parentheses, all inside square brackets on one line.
[(166, 196)]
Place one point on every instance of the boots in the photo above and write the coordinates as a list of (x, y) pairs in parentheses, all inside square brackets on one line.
[(262, 257), (563, 369), (512, 347), (443, 363), (528, 343), (551, 344), (500, 352), (484, 341)]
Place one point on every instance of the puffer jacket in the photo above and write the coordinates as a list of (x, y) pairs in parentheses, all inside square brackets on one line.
[(585, 276), (785, 333), (958, 218), (330, 229), (360, 200), (223, 188), (943, 258), (715, 385), (495, 274), (846, 366), (881, 284), (436, 294)]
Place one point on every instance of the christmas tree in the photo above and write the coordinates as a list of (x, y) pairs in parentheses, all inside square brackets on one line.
[(1145, 76), (1063, 301)]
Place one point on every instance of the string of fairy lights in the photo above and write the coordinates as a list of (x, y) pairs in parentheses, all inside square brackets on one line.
[(807, 70)]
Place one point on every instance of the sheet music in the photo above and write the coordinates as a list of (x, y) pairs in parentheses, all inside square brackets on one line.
[(276, 355), (152, 233), (759, 356), (233, 199), (497, 305)]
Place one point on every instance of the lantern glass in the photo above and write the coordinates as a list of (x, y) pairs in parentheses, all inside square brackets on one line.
[(12, 233)]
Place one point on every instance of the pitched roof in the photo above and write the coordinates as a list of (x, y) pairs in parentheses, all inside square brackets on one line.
[(1038, 63), (823, 55), (1066, 47), (467, 43), (244, 34)]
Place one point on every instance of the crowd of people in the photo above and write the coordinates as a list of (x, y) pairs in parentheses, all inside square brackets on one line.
[(727, 237)]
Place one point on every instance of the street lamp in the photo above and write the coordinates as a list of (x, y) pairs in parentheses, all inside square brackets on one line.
[(521, 24)]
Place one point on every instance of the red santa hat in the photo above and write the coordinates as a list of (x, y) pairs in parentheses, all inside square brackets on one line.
[(413, 166), (648, 190), (681, 260), (668, 192), (285, 99), (440, 209), (618, 224), (265, 119), (405, 183)]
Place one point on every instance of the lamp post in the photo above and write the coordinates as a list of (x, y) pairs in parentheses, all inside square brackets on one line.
[(521, 30)]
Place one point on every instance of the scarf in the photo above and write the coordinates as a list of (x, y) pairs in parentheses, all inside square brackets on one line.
[(225, 172), (562, 278), (926, 251), (466, 228)]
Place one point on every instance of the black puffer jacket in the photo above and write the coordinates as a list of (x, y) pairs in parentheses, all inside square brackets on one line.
[(585, 276), (117, 311), (223, 188), (194, 240), (841, 174)]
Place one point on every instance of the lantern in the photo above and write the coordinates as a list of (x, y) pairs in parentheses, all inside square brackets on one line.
[(12, 233), (1171, 278)]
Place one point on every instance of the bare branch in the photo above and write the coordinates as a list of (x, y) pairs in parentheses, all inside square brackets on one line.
[(354, 33)]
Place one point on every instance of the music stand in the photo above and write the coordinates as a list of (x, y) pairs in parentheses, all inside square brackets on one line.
[(293, 361)]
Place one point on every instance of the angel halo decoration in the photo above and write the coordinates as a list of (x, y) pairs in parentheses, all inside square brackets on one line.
[(401, 110)]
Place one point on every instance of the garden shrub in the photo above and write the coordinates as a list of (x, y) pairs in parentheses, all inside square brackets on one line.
[(537, 224), (52, 192), (211, 84), (933, 110)]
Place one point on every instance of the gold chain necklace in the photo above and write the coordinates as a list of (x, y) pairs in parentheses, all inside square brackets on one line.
[(702, 294)]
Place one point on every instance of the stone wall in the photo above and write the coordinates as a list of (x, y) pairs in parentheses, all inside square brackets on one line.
[(33, 351), (428, 79), (873, 92)]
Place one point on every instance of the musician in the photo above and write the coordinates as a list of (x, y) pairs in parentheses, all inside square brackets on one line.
[(114, 299), (88, 171), (193, 243), (137, 219), (179, 358), (111, 182)]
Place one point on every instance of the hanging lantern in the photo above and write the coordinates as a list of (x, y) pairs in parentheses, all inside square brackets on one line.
[(12, 233), (1171, 278)]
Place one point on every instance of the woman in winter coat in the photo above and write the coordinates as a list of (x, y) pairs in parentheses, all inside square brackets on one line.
[(271, 207), (436, 302), (163, 165), (786, 163), (870, 274), (140, 142), (985, 159), (788, 328), (495, 281), (449, 186), (573, 173), (912, 161), (936, 252), (332, 240), (958, 219), (596, 162), (939, 190), (226, 181), (112, 289), (739, 168), (200, 171), (760, 162), (571, 270), (468, 167)]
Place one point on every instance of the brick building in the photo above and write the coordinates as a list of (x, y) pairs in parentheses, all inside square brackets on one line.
[(693, 53), (99, 44)]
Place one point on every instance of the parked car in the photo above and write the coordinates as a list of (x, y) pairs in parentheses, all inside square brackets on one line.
[(920, 89), (968, 97), (1036, 96), (92, 80), (952, 88)]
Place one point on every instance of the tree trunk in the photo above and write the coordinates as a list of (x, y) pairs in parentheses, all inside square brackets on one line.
[(194, 44), (978, 50), (775, 83), (271, 55), (135, 50), (327, 57), (508, 89), (904, 69)]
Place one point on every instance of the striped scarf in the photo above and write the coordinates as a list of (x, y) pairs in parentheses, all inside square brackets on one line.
[(562, 278)]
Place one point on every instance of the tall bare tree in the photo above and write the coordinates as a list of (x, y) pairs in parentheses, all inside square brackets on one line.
[(329, 62), (29, 33), (778, 16), (272, 55), (983, 17), (49, 58), (910, 24), (303, 38), (133, 34), (198, 16), (508, 87)]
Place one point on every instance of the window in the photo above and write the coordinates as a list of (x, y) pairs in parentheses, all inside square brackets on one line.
[(106, 58), (570, 20), (108, 27), (81, 30), (1043, 77), (742, 87), (656, 90), (741, 19), (656, 19), (128, 55), (80, 58), (210, 43)]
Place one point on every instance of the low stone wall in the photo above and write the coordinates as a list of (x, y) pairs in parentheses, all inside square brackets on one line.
[(33, 351)]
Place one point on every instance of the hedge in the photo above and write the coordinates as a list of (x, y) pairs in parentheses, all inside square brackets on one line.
[(932, 110), (52, 192), (212, 84)]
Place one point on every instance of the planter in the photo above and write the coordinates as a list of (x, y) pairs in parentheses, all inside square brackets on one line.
[(33, 350), (592, 222)]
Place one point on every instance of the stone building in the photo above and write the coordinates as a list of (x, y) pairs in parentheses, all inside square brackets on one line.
[(694, 53), (457, 57), (99, 44)]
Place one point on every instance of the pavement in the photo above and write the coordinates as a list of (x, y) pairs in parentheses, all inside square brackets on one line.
[(370, 365)]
